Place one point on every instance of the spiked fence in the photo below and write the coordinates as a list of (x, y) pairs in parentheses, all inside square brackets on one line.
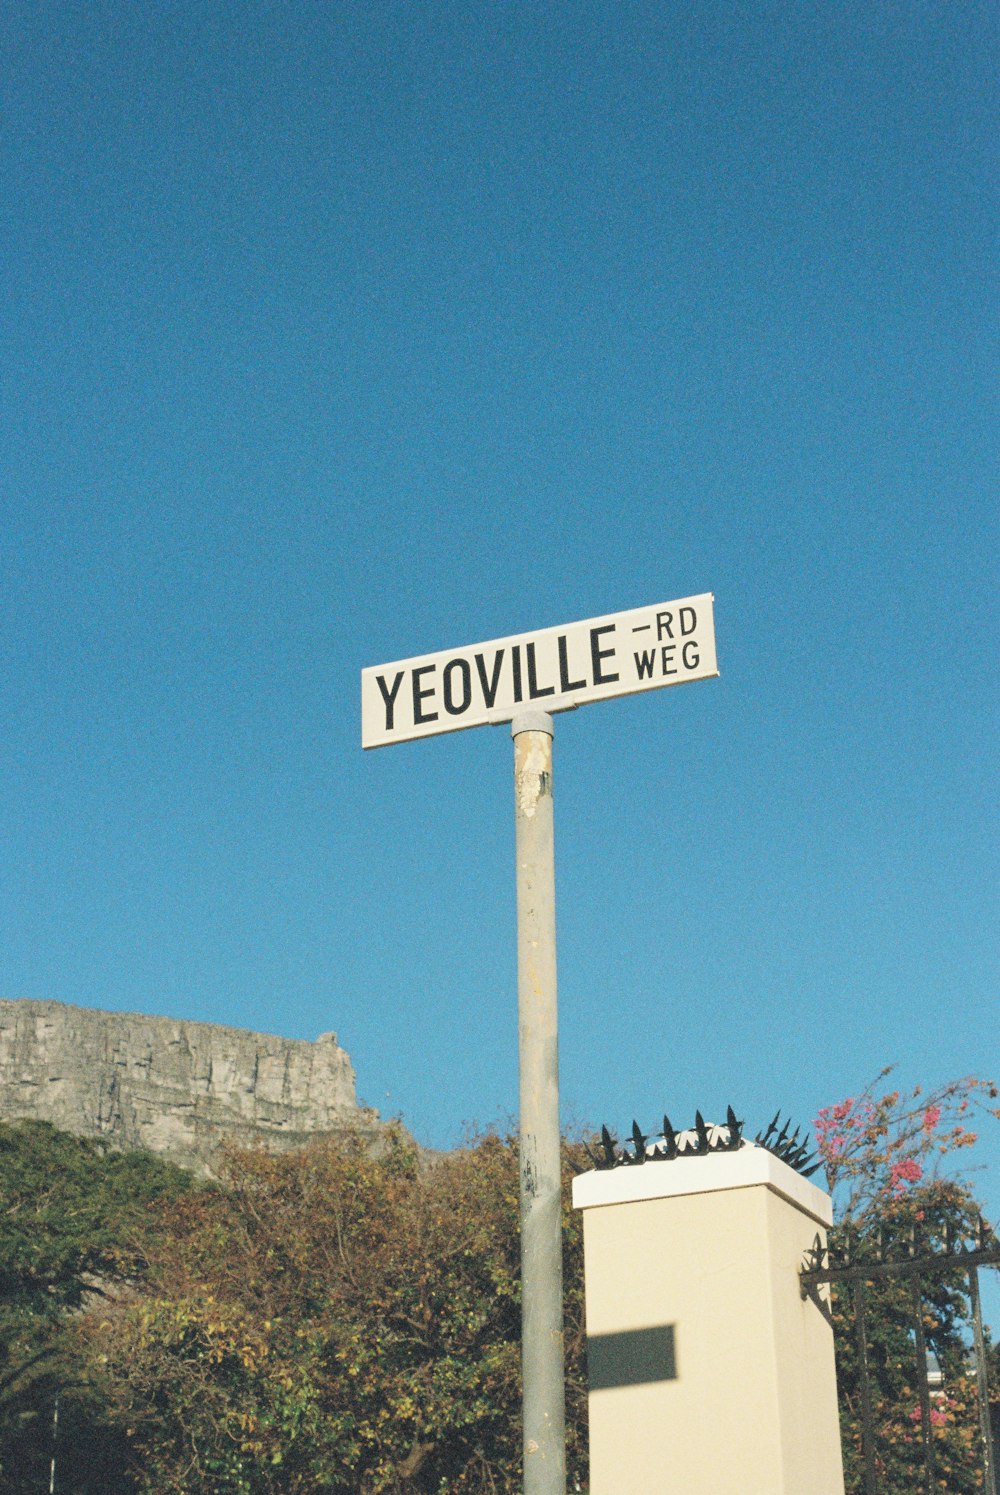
[(700, 1140), (918, 1259)]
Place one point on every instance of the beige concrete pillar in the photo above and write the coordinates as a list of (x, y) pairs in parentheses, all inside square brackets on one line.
[(709, 1374)]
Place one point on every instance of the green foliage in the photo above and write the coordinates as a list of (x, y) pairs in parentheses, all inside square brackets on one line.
[(71, 1210), (328, 1321), (73, 1220), (335, 1322)]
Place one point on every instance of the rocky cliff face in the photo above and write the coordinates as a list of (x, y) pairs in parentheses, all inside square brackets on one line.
[(177, 1088)]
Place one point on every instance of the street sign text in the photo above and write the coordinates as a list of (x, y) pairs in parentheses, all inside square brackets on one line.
[(554, 669)]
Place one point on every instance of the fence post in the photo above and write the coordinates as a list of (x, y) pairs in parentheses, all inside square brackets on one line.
[(982, 1386), (867, 1430), (926, 1425)]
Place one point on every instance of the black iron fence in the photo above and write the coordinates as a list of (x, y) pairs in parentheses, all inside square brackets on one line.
[(918, 1267)]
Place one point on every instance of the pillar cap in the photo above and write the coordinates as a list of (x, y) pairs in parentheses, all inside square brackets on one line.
[(751, 1166)]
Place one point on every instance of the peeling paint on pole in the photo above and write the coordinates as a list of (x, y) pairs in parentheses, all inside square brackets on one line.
[(532, 771)]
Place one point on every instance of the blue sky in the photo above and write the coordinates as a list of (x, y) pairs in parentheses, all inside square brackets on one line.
[(335, 334)]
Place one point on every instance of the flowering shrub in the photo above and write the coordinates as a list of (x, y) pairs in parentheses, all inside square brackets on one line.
[(875, 1148)]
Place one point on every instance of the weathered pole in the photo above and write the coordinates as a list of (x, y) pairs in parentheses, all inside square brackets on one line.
[(541, 1205)]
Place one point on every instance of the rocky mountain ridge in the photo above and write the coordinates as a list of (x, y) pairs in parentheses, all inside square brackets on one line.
[(177, 1088)]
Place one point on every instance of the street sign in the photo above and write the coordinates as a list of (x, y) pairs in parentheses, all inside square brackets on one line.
[(523, 680), (552, 669)]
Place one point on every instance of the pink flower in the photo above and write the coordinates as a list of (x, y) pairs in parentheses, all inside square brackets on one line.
[(931, 1118), (938, 1418), (904, 1171)]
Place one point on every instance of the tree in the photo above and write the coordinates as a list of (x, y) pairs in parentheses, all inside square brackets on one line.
[(329, 1321), (73, 1218), (885, 1155)]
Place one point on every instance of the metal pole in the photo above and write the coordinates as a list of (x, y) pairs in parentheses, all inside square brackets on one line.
[(541, 1203), (55, 1436), (867, 1429), (926, 1426), (982, 1386)]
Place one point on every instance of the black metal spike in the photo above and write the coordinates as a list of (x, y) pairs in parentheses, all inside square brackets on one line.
[(791, 1147), (609, 1146), (704, 1145), (669, 1137), (640, 1143), (735, 1128)]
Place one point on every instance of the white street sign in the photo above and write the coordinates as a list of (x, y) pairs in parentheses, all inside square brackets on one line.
[(553, 669)]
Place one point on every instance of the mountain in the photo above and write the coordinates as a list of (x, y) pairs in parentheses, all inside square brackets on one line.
[(176, 1088)]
